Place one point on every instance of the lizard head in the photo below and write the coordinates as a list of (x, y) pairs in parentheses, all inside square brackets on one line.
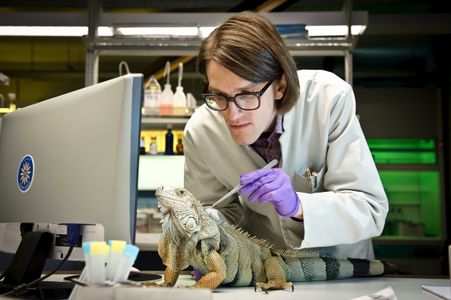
[(182, 207), (185, 223)]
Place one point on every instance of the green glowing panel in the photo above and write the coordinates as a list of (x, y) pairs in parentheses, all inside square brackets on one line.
[(414, 198), (402, 157), (403, 151), (397, 144)]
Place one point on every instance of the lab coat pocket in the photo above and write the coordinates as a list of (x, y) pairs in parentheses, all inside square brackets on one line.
[(309, 181)]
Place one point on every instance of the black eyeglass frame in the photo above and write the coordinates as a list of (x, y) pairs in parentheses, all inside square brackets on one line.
[(232, 98)]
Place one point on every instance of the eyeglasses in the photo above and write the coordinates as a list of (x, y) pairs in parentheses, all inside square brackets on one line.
[(245, 101)]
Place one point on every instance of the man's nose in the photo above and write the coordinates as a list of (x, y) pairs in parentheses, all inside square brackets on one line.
[(233, 111)]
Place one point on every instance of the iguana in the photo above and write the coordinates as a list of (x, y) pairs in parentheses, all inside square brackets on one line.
[(227, 255)]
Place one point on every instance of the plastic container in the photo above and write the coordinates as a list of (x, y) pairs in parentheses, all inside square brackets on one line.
[(152, 97), (153, 148), (142, 146), (114, 257), (179, 96), (95, 257), (191, 103), (167, 96), (126, 262), (12, 101)]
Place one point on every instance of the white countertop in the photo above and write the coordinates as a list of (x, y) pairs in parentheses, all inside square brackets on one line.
[(404, 288)]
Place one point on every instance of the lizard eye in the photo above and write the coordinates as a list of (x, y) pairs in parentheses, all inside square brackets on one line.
[(181, 192)]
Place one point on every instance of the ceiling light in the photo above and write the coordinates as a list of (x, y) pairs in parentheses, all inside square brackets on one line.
[(43, 30), (162, 31), (158, 31), (206, 30), (73, 31), (334, 30), (104, 31), (165, 31)]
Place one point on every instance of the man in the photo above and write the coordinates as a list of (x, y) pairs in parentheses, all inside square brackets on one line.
[(325, 193)]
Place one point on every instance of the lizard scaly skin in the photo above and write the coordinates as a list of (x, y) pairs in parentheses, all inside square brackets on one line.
[(229, 256)]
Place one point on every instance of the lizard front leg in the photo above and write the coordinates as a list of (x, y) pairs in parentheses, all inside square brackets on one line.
[(216, 272), (170, 277)]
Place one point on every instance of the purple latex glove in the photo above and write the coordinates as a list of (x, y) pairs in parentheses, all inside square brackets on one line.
[(271, 185)]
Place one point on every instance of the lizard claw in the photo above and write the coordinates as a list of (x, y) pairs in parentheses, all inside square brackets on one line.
[(274, 285), (154, 284)]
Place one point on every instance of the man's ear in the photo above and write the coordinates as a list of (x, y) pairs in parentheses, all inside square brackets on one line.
[(281, 86)]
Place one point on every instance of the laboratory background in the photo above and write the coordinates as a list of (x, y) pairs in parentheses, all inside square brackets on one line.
[(398, 60)]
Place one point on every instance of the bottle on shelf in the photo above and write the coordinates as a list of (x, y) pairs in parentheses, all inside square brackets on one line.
[(179, 96), (142, 146), (167, 96), (179, 147), (12, 101), (153, 148), (152, 97), (169, 146), (191, 103)]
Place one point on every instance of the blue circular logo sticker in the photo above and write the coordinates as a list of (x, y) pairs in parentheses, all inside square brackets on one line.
[(25, 173)]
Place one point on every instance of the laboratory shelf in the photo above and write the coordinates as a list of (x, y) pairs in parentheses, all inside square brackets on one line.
[(159, 122)]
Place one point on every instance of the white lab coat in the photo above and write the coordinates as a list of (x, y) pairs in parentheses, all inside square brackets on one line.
[(343, 208)]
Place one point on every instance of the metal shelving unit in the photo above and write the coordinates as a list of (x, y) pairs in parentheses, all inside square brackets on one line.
[(140, 46), (97, 46), (172, 46)]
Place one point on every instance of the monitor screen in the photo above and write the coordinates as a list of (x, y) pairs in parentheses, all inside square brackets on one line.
[(74, 159)]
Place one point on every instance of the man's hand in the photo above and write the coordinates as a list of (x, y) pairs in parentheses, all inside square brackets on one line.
[(274, 186)]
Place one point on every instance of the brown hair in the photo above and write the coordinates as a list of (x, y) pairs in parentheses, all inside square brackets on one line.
[(250, 46)]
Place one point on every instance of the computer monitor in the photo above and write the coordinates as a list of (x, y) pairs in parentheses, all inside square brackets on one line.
[(74, 159)]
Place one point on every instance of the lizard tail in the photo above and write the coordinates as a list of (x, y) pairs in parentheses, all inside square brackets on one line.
[(330, 268)]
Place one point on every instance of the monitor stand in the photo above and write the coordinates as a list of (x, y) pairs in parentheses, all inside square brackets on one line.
[(27, 265), (29, 259)]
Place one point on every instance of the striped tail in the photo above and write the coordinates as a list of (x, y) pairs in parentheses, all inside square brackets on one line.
[(330, 268)]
